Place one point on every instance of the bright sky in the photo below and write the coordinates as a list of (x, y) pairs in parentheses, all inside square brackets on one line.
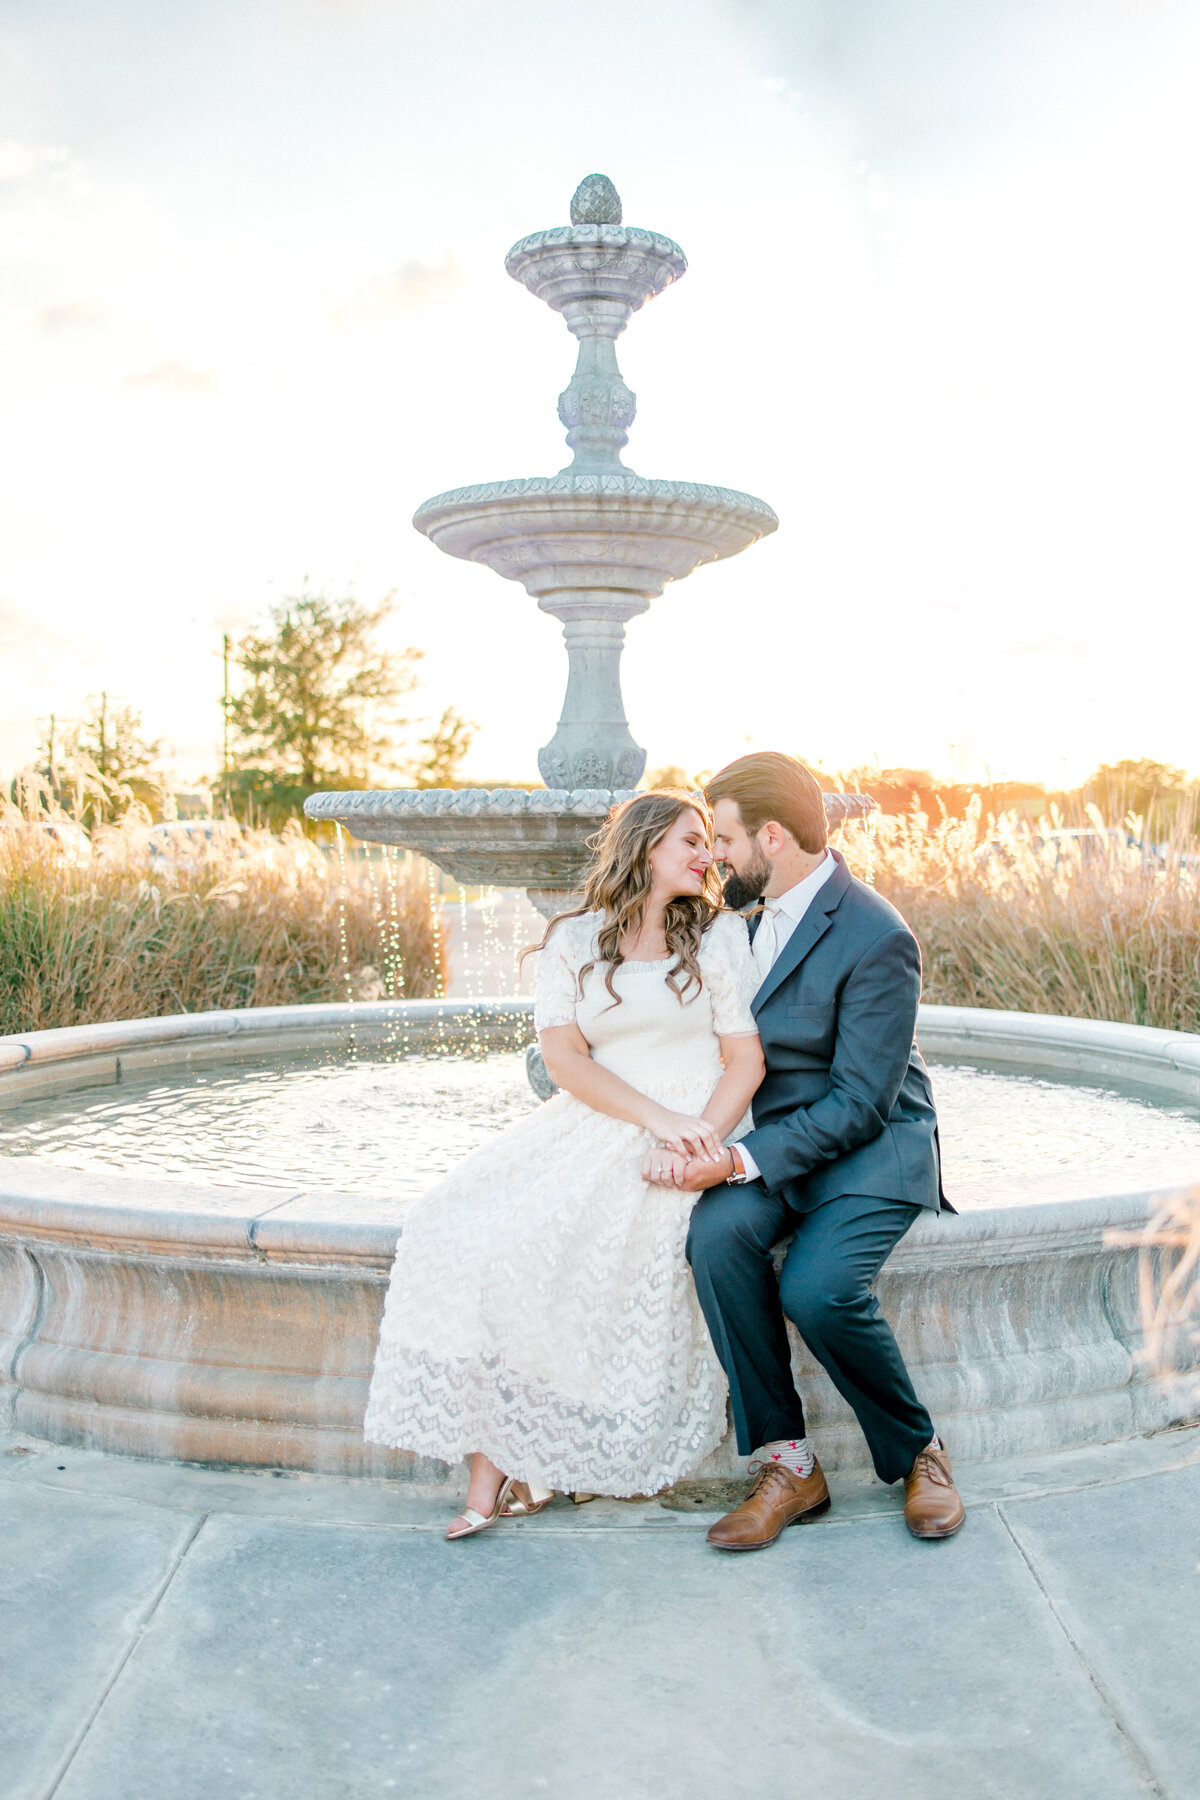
[(941, 313)]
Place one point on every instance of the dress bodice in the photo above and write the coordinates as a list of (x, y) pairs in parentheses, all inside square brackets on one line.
[(660, 1044)]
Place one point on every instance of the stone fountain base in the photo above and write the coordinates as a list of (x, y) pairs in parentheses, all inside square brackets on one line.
[(238, 1325)]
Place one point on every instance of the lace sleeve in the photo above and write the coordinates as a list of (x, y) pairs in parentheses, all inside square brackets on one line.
[(731, 975), (557, 986)]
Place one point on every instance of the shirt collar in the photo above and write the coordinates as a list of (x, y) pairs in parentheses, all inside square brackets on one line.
[(796, 901)]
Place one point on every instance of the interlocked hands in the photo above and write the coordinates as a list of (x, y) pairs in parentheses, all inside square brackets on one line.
[(689, 1154), (691, 1174)]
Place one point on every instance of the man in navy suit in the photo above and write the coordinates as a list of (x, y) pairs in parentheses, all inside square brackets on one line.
[(843, 1154)]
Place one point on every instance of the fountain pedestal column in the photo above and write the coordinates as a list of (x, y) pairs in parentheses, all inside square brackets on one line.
[(593, 746)]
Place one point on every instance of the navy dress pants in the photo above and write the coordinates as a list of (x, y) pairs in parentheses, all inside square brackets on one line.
[(824, 1288)]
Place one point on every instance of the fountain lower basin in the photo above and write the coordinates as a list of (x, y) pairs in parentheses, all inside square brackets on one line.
[(236, 1323)]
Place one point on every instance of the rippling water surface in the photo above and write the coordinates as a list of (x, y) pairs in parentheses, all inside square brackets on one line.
[(388, 1129)]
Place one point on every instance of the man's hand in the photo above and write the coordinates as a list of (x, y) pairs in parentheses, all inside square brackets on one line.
[(698, 1174)]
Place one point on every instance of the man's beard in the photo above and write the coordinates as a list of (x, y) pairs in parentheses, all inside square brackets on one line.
[(741, 890)]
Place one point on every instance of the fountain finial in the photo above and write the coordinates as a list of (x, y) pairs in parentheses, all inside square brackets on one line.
[(595, 202)]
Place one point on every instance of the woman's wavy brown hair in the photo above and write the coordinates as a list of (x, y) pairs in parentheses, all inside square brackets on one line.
[(619, 879)]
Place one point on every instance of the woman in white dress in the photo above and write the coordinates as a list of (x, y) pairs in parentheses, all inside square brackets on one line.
[(541, 1315)]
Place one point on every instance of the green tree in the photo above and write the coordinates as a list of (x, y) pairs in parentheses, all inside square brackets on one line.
[(109, 735), (669, 775), (1137, 785), (98, 765), (443, 750), (319, 704)]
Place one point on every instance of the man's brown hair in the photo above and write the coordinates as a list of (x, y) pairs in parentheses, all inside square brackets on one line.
[(770, 785)]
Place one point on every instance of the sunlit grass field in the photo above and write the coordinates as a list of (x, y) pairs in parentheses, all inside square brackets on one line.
[(113, 930), (1009, 914), (1101, 921)]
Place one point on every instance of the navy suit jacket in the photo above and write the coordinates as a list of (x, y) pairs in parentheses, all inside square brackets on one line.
[(845, 1106)]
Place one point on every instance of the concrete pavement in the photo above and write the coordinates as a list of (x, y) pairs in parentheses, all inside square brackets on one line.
[(172, 1633)]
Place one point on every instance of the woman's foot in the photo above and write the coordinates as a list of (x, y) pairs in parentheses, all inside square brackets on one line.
[(484, 1498), (526, 1499)]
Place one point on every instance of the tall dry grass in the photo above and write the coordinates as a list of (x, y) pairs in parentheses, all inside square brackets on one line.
[(1169, 1291), (103, 931), (1008, 915)]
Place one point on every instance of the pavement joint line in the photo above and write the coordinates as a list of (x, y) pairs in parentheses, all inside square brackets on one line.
[(135, 1637), (1142, 1764)]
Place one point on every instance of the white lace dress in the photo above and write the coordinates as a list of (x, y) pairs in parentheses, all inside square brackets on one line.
[(540, 1307)]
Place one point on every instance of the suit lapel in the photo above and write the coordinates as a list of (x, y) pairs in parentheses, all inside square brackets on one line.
[(812, 927)]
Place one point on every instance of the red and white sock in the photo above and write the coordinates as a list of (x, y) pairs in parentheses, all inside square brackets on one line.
[(796, 1454)]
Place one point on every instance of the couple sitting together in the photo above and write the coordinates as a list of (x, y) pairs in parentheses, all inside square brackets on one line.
[(572, 1306)]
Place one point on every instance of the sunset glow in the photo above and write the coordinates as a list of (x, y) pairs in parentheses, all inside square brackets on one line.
[(940, 314)]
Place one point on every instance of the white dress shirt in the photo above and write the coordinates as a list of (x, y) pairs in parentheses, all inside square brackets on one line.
[(786, 912)]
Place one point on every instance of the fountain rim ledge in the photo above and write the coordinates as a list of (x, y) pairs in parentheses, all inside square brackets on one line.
[(586, 233), (511, 802), (1150, 1046), (467, 802), (615, 485)]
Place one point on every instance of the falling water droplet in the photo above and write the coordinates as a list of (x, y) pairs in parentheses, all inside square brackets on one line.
[(438, 1044), (343, 941)]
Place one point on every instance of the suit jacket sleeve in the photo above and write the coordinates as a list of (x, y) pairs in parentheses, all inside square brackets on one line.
[(877, 1017)]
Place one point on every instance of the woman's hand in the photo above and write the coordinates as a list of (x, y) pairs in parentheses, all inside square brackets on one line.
[(664, 1167), (685, 1134)]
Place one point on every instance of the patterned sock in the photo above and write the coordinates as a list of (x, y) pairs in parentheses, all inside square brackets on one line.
[(796, 1454)]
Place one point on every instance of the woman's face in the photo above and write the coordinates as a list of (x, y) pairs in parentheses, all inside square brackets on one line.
[(680, 858)]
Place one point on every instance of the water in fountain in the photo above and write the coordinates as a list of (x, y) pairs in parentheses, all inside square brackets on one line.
[(386, 1124)]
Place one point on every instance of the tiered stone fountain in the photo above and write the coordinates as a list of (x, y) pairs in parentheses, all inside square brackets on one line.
[(594, 545), (237, 1324)]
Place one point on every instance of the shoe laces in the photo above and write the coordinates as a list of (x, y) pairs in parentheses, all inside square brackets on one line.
[(930, 1464), (763, 1473)]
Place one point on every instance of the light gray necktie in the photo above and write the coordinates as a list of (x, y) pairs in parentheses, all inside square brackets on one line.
[(765, 947)]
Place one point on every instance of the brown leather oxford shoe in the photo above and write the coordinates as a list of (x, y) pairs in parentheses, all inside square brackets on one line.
[(932, 1508), (779, 1498)]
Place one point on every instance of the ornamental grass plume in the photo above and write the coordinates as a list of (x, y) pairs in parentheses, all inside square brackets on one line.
[(1093, 921), (1169, 1285), (106, 929)]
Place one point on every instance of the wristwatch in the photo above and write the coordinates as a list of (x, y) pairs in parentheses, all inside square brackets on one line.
[(739, 1168)]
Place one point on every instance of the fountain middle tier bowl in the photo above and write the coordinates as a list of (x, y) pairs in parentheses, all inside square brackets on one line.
[(500, 837), (611, 531)]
